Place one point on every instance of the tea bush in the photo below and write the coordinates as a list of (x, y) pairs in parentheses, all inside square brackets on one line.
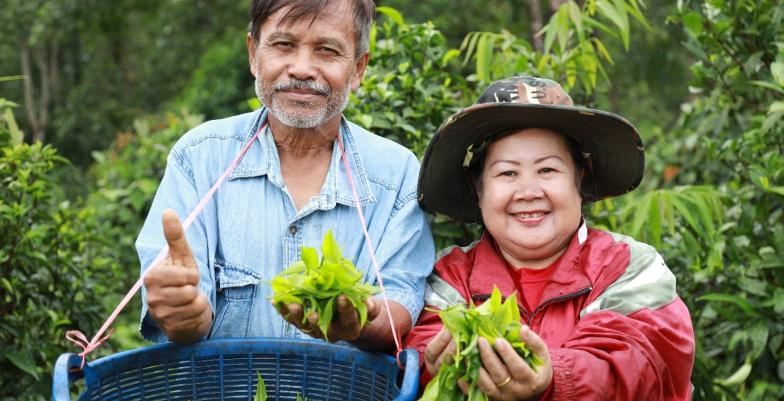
[(727, 247), (51, 274)]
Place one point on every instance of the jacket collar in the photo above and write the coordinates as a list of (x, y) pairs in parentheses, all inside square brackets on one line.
[(491, 269), (263, 159)]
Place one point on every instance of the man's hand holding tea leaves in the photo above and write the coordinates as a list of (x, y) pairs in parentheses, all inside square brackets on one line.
[(325, 298)]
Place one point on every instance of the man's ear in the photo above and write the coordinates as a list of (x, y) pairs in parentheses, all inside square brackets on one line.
[(360, 66), (251, 44)]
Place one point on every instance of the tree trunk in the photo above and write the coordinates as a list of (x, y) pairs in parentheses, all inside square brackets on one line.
[(535, 11), (42, 60), (555, 4), (37, 112), (30, 111)]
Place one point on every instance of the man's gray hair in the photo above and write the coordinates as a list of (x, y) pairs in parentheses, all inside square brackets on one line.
[(364, 13)]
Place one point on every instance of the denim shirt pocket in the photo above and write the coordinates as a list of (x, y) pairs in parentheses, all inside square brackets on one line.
[(237, 288)]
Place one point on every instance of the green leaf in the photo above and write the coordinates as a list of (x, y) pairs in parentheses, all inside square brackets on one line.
[(469, 45), (365, 120), (633, 9), (16, 134), (310, 257), (550, 32), (562, 26), (776, 301), (640, 208), (686, 212), (618, 17), (602, 50), (484, 52), (10, 78), (655, 222), (392, 14), (738, 377), (777, 71), (768, 85), (776, 107), (261, 389), (330, 248), (23, 362), (254, 103), (576, 17), (693, 23), (734, 299)]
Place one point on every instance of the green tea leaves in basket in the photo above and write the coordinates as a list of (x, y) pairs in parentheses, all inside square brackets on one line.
[(315, 284), (493, 319), (261, 390)]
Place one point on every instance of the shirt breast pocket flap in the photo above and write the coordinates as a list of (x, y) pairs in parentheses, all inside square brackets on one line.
[(236, 283)]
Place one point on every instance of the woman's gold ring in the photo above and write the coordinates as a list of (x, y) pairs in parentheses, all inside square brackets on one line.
[(505, 382)]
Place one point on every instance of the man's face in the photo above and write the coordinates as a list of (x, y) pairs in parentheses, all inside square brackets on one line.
[(305, 69)]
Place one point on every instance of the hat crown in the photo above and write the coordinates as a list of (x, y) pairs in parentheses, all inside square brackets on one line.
[(526, 90)]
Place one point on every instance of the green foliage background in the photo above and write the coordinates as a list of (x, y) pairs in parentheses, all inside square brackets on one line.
[(703, 80)]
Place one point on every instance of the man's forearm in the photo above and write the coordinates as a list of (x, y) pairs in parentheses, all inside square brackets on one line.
[(377, 335)]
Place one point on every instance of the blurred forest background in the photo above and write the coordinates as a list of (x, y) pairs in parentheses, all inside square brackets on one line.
[(93, 93)]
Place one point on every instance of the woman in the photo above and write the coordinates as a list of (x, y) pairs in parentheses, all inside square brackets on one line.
[(600, 309)]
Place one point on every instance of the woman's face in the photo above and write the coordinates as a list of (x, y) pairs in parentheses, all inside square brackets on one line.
[(529, 197)]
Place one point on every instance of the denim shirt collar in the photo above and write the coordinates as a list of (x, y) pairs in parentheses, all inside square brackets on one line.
[(264, 160)]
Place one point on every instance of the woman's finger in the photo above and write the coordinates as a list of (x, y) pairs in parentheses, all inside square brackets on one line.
[(536, 344), (491, 363), (518, 367)]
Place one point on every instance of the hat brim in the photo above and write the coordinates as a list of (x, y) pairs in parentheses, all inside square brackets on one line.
[(617, 156)]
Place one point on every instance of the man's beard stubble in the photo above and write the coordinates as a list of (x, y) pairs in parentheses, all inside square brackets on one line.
[(307, 115)]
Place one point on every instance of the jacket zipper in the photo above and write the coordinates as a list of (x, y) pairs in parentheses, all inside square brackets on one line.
[(530, 317)]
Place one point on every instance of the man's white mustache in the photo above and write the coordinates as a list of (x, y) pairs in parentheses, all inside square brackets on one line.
[(302, 84)]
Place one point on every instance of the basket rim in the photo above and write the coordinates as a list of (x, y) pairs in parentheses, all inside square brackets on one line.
[(236, 346)]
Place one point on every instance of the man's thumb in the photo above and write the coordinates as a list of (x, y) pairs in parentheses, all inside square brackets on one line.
[(179, 250)]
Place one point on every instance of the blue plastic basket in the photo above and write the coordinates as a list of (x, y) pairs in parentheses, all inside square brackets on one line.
[(226, 369)]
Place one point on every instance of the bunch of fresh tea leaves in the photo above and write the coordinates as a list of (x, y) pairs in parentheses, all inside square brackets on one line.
[(493, 319), (315, 284)]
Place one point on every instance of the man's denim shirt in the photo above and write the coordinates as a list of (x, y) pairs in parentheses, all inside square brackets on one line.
[(251, 229)]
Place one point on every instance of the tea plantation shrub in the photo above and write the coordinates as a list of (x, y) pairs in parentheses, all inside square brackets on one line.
[(51, 279)]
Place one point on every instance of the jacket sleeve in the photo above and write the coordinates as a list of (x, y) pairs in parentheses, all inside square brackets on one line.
[(441, 292), (647, 355), (428, 325)]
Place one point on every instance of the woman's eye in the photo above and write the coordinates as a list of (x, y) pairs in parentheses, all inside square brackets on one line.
[(545, 170), (508, 173)]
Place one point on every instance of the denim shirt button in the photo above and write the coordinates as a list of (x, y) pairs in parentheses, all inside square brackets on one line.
[(292, 229)]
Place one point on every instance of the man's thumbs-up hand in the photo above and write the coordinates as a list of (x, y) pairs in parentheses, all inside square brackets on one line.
[(174, 301), (179, 250)]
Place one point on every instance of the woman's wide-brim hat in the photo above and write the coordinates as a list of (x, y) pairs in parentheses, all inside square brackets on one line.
[(614, 152)]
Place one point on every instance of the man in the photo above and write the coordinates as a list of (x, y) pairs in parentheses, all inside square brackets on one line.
[(287, 190)]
